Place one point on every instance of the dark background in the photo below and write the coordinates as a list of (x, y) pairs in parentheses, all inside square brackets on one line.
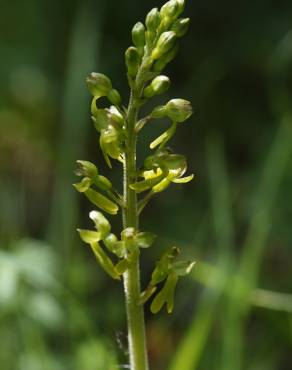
[(58, 310)]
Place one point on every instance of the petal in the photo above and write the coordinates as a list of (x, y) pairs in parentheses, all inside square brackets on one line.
[(183, 180), (89, 236)]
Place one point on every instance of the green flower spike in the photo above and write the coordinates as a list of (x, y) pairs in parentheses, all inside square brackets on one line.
[(155, 44)]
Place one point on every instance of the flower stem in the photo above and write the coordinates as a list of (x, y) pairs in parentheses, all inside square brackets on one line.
[(135, 314)]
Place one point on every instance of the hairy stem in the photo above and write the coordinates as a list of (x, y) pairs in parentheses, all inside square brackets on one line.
[(135, 314)]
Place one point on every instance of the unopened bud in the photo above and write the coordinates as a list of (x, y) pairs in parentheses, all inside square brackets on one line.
[(181, 6), (153, 20), (133, 61), (114, 97), (178, 110), (138, 37), (169, 9), (180, 26), (158, 86), (86, 168), (160, 64), (165, 43), (99, 84)]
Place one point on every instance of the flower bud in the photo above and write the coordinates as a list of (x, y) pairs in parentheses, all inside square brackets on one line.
[(180, 26), (138, 37), (165, 59), (158, 86), (153, 20), (114, 97), (169, 9), (165, 43), (87, 169), (133, 61), (181, 6), (98, 84), (178, 110)]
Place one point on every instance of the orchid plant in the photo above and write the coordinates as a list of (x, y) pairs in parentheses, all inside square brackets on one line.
[(155, 44)]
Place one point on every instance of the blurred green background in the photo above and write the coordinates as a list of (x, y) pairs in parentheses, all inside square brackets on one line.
[(58, 310)]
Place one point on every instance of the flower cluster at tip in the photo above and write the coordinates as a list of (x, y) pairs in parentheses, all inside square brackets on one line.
[(155, 44)]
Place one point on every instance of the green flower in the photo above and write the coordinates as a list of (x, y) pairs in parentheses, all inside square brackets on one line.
[(178, 110), (99, 84)]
